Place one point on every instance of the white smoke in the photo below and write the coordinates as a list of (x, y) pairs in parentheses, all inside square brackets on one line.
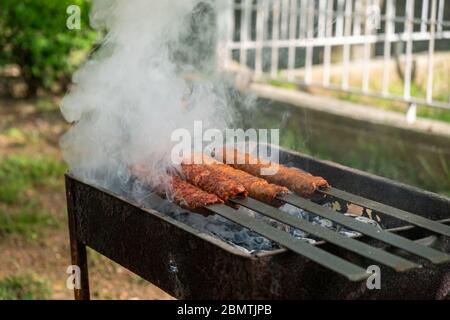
[(131, 95)]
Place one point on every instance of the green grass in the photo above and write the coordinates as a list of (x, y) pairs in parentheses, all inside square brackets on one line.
[(28, 221), (23, 287), (282, 84), (433, 113), (16, 134), (21, 214), (21, 138), (19, 173)]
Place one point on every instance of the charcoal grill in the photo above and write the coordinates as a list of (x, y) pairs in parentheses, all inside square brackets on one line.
[(410, 251)]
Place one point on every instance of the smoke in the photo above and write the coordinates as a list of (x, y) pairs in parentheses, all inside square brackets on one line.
[(133, 92)]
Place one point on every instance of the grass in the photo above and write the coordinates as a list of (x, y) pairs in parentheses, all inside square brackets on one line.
[(21, 214), (23, 287), (20, 138), (21, 172), (28, 222), (433, 113), (283, 84)]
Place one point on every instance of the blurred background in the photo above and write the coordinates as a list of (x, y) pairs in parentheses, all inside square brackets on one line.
[(364, 83), (37, 58)]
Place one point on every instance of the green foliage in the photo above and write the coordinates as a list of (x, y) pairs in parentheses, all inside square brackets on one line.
[(28, 222), (433, 113), (23, 287), (33, 35), (283, 84), (19, 172)]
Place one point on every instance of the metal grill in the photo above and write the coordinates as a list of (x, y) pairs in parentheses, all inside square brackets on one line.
[(330, 261), (153, 246)]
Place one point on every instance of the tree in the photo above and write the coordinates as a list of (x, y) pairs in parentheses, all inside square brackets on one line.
[(34, 36)]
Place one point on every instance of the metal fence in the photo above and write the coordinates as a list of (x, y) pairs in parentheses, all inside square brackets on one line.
[(292, 40)]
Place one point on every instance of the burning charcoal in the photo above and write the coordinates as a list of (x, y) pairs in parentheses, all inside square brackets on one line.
[(368, 221), (323, 222), (349, 233), (248, 240), (296, 212), (309, 240), (364, 220), (298, 233)]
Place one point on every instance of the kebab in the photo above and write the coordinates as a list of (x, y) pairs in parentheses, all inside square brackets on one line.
[(191, 197), (256, 187), (213, 181), (184, 194), (303, 183)]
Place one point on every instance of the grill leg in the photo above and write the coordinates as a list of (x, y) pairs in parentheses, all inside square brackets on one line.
[(77, 251), (79, 258)]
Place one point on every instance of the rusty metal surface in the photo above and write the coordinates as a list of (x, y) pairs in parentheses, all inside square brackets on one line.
[(191, 265)]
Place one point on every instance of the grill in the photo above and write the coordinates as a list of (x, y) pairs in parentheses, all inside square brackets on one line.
[(410, 250)]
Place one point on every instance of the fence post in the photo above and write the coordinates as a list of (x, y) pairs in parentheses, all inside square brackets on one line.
[(411, 113), (224, 27)]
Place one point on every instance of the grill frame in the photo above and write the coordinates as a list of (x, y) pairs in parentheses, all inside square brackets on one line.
[(207, 268)]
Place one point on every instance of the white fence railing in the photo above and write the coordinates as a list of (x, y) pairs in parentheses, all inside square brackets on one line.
[(293, 40)]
